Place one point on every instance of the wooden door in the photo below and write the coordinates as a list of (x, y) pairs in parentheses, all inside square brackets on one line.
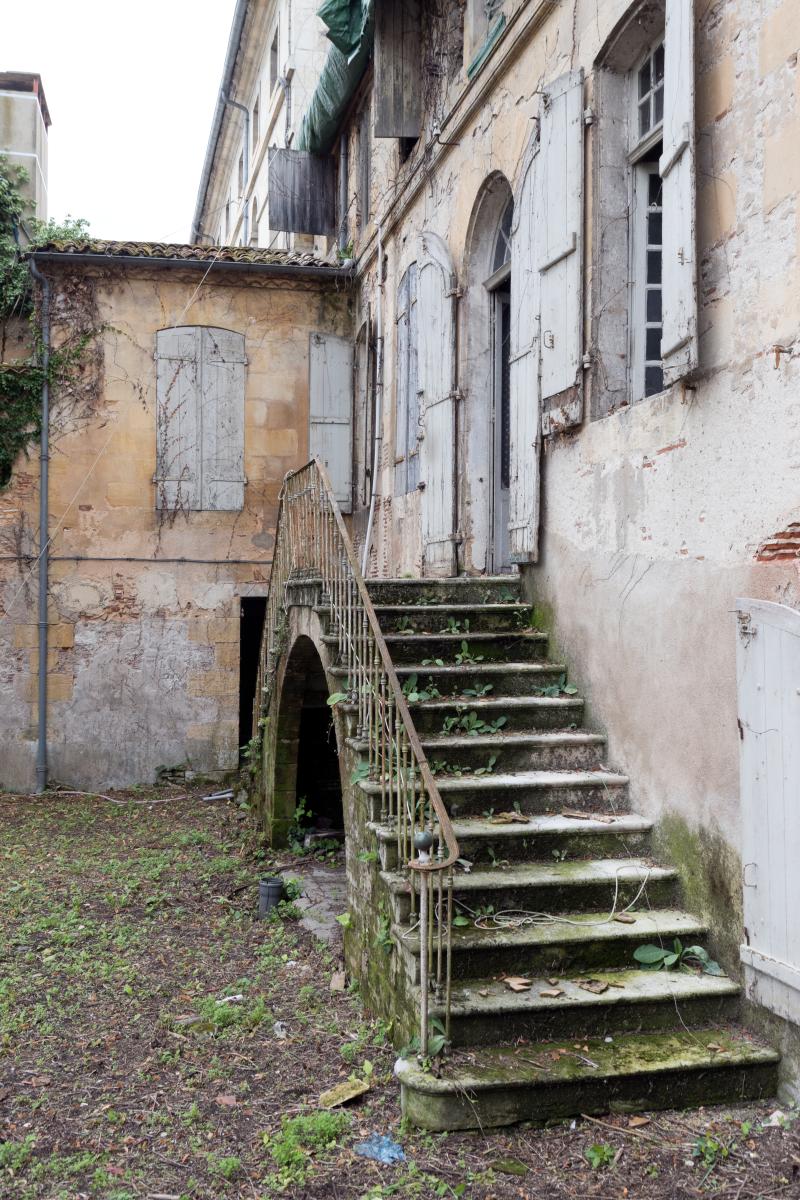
[(768, 672)]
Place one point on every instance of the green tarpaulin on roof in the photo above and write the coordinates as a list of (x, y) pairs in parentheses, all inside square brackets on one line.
[(350, 29)]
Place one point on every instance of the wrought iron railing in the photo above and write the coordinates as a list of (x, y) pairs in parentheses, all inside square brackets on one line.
[(312, 543)]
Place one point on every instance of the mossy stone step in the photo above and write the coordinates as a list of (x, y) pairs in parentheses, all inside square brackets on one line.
[(548, 886), (494, 647), (541, 837), (461, 589), (543, 751), (528, 791), (504, 678), (634, 1000), (426, 617), (522, 713), (580, 941), (542, 1081)]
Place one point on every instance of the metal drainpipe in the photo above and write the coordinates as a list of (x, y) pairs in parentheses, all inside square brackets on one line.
[(246, 158), (44, 523), (344, 168)]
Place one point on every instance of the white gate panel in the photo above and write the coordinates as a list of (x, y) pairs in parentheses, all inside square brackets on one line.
[(768, 671)]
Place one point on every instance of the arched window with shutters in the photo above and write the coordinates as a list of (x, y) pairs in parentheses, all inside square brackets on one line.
[(200, 374)]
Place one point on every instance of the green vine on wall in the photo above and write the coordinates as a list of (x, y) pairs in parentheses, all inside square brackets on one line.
[(21, 379)]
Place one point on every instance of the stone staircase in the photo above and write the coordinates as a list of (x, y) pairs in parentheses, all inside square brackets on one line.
[(544, 828)]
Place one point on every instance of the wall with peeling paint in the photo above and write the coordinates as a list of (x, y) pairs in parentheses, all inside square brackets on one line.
[(657, 516), (143, 665)]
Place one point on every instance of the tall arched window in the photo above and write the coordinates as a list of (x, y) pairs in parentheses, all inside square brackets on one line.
[(254, 223)]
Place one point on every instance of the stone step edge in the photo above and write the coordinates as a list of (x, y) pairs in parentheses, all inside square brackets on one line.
[(490, 667), (575, 873), (520, 779), (498, 1068), (543, 739), (633, 987), (648, 926), (510, 606), (538, 825)]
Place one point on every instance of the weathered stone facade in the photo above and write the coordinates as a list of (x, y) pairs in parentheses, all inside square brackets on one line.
[(144, 616)]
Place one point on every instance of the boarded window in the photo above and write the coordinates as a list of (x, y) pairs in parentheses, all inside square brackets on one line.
[(199, 419), (407, 428), (330, 419), (302, 192)]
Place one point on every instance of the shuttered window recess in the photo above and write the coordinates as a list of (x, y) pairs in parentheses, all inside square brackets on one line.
[(302, 192), (330, 417), (398, 64), (525, 404), (679, 349), (407, 426), (559, 252), (200, 374), (437, 291)]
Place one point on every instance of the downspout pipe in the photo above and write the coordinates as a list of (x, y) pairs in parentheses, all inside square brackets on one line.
[(246, 162), (44, 525), (376, 458)]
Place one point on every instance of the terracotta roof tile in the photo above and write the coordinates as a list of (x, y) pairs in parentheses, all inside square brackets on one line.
[(170, 250)]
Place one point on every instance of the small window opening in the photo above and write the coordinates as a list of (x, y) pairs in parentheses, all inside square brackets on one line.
[(251, 627), (273, 61), (254, 223), (405, 145), (240, 175), (254, 128)]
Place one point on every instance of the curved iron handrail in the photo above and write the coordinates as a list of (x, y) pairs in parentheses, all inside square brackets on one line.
[(312, 540)]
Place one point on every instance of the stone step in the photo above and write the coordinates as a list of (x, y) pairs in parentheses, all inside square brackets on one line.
[(460, 589), (524, 792), (503, 678), (560, 750), (590, 885), (523, 714), (634, 1000), (525, 645), (540, 838), (556, 751), (579, 942), (500, 1085), (432, 618)]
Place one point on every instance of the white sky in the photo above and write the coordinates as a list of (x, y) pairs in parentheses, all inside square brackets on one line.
[(131, 90)]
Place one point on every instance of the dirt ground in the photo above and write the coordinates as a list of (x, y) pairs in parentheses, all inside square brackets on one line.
[(127, 921)]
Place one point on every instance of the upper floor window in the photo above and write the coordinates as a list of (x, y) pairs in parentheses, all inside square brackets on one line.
[(200, 372), (644, 278), (255, 131), (273, 60)]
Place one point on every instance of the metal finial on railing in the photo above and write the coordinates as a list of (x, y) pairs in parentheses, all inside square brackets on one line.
[(312, 542)]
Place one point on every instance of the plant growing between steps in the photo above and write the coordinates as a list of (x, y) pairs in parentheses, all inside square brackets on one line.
[(466, 658), (471, 724), (559, 688), (415, 694), (693, 959), (478, 693)]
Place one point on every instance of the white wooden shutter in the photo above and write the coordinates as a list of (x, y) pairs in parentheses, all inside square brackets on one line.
[(330, 418), (768, 675), (177, 476), (222, 407), (524, 382), (436, 338), (559, 248), (679, 353), (407, 428)]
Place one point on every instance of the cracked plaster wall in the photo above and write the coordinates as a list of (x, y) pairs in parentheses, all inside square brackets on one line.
[(654, 517)]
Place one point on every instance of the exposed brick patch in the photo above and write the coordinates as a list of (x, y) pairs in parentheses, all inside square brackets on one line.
[(781, 546)]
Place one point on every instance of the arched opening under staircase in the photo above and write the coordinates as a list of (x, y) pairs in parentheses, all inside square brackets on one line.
[(308, 790)]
